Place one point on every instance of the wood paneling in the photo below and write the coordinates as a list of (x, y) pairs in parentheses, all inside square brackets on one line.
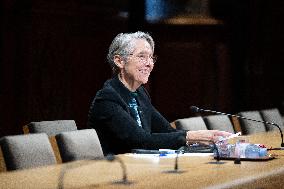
[(193, 69), (53, 59)]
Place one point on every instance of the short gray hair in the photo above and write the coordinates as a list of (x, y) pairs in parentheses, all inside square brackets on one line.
[(122, 45)]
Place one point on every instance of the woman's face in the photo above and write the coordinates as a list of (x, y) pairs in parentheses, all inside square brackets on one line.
[(139, 64)]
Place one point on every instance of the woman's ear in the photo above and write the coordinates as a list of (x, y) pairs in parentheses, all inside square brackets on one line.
[(118, 60)]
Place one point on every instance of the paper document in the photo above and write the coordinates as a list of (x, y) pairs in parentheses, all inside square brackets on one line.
[(231, 136), (154, 156)]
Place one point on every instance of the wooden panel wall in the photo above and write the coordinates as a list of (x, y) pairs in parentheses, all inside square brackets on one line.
[(193, 69), (53, 59)]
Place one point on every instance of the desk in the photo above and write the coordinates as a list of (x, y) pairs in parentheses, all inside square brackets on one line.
[(200, 172)]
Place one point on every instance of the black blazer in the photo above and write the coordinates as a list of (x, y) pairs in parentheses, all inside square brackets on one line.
[(119, 132)]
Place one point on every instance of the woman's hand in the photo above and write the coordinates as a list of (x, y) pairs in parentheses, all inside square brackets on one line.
[(205, 135)]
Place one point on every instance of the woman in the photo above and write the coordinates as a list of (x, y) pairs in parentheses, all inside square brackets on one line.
[(122, 113)]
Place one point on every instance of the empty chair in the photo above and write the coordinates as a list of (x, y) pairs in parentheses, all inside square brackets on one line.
[(250, 127), (27, 151), (191, 124), (272, 115), (219, 122), (78, 145), (51, 128)]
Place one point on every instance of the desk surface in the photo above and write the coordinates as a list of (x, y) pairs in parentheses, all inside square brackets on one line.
[(200, 172)]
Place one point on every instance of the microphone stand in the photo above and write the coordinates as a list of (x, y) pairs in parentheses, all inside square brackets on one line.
[(218, 156), (176, 167), (124, 180), (196, 109), (217, 151), (109, 157), (177, 170)]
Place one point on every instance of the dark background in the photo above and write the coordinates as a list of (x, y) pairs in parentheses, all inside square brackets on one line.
[(224, 55)]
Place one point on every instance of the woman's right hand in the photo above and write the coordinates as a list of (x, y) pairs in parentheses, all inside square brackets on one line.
[(206, 135)]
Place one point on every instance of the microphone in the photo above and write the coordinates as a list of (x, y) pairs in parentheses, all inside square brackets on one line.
[(215, 150), (176, 167), (108, 157), (176, 162), (196, 110), (111, 157)]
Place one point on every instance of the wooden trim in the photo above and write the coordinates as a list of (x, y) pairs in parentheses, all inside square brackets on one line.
[(173, 124), (2, 162), (26, 129), (236, 124), (55, 148), (52, 141)]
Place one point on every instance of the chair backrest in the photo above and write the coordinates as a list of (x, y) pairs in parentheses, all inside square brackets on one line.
[(219, 122), (251, 127), (51, 128), (272, 115), (191, 124), (78, 145), (27, 151)]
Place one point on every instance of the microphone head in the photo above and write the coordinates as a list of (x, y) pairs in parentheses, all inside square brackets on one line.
[(194, 109)]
